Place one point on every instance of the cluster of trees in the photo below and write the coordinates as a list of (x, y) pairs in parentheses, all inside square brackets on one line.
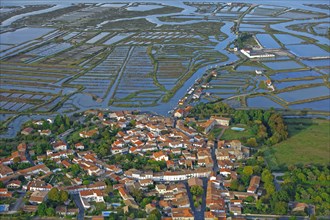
[(129, 161), (55, 197), (242, 37), (301, 184), (99, 143), (197, 192), (267, 126), (309, 184)]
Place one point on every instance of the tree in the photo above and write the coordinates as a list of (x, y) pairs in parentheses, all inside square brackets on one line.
[(248, 170), (41, 209), (137, 194), (196, 190), (234, 185), (50, 211), (155, 215), (252, 142), (54, 195), (64, 196), (280, 208)]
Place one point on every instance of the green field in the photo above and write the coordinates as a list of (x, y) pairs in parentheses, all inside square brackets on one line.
[(308, 143), (238, 135)]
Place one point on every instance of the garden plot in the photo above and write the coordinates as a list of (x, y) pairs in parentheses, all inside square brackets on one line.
[(137, 79), (305, 94), (293, 75), (98, 80)]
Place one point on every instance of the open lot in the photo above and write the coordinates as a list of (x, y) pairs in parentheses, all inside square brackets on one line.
[(308, 143)]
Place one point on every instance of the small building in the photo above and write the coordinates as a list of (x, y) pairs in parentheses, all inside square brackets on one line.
[(38, 197), (27, 131)]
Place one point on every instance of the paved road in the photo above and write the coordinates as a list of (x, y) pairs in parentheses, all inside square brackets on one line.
[(19, 203), (191, 201), (199, 214), (81, 208)]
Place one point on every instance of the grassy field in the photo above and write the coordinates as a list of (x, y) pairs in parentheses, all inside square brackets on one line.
[(238, 135), (308, 143)]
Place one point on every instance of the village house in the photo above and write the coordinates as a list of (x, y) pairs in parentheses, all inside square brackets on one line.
[(39, 185), (5, 171), (45, 132), (159, 156), (90, 195), (27, 131), (182, 214), (38, 197), (89, 134), (59, 146), (14, 184), (254, 184), (4, 193)]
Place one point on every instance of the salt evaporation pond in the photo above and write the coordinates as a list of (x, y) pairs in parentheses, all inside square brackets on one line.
[(267, 41), (321, 105), (97, 37), (249, 68), (113, 5), (23, 34), (314, 63), (283, 65), (117, 38), (4, 47), (288, 39), (298, 74), (307, 50), (262, 102), (283, 85), (303, 94), (143, 7)]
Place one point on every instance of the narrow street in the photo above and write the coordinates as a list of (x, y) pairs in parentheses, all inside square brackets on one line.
[(199, 214), (80, 206), (18, 204), (191, 201)]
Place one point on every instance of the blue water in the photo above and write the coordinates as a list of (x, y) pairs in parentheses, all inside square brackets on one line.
[(298, 74), (322, 105), (262, 102), (267, 41), (303, 94), (283, 65), (307, 50)]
